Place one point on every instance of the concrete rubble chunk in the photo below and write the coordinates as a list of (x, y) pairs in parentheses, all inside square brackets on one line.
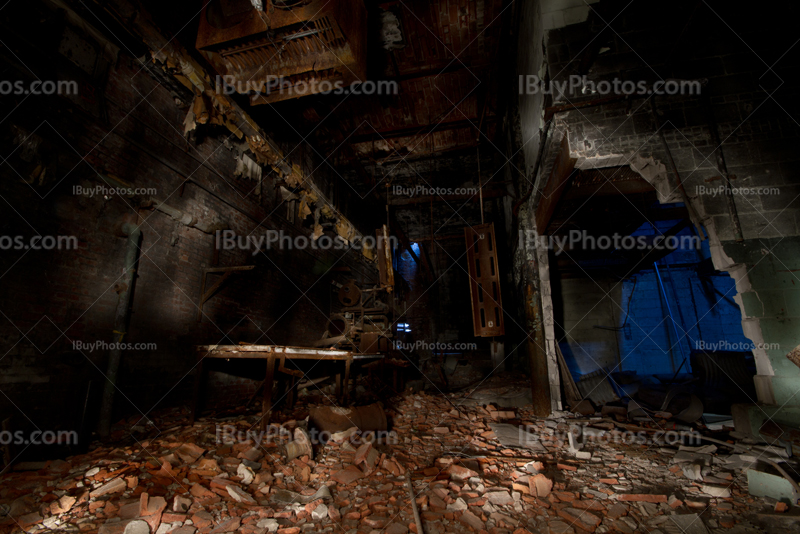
[(540, 485), (181, 504), (499, 498), (114, 486), (320, 512), (239, 495), (692, 471), (715, 491), (458, 506), (246, 474), (270, 524)]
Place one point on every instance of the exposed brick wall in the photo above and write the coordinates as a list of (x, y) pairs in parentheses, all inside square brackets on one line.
[(285, 299)]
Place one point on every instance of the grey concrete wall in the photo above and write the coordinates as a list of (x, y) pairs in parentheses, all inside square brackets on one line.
[(744, 59)]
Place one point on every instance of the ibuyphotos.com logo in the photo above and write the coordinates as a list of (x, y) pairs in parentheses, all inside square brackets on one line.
[(576, 86), (582, 240), (39, 87), (279, 85), (278, 240)]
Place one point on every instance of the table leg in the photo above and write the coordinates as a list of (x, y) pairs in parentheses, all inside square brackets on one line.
[(346, 385), (339, 387), (292, 391), (266, 405), (198, 382)]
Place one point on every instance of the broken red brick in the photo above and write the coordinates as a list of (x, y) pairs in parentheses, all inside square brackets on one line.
[(642, 497)]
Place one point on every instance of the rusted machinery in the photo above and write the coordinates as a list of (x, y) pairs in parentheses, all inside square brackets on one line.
[(363, 323), (280, 49)]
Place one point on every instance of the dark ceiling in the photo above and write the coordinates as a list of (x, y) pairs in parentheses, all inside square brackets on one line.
[(444, 69)]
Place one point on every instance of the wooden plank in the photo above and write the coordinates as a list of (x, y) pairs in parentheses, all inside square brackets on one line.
[(571, 391), (555, 186), (484, 281), (198, 382)]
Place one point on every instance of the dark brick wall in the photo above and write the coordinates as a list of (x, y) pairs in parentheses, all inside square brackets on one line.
[(49, 299)]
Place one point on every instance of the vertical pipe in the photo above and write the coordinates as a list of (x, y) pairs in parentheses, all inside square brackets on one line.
[(723, 169), (669, 314), (678, 302), (674, 168), (121, 318)]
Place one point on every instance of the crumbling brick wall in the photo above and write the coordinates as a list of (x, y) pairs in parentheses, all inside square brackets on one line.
[(755, 112), (52, 298)]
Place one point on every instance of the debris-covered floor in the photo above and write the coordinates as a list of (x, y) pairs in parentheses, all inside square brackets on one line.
[(216, 476)]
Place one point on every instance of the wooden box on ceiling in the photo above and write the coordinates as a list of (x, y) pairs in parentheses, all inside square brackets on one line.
[(280, 49)]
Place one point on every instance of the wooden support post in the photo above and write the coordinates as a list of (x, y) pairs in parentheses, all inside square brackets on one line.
[(198, 382), (540, 381)]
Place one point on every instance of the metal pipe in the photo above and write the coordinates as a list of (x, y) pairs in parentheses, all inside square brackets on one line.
[(692, 213), (542, 143), (723, 169), (669, 314), (677, 302), (121, 319)]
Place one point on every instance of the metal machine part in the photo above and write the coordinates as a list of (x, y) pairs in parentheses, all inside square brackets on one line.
[(350, 294)]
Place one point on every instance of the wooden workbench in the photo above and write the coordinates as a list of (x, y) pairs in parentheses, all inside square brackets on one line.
[(272, 354)]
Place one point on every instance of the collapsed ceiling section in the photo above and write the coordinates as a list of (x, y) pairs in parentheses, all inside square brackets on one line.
[(284, 49)]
